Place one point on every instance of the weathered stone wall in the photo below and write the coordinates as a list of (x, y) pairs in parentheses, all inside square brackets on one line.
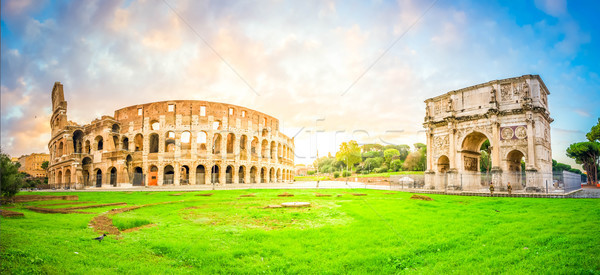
[(511, 113), (169, 142)]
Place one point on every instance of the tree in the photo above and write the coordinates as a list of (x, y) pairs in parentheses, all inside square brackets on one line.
[(396, 165), (419, 146), (371, 147), (389, 154), (416, 161), (349, 153), (45, 165), (372, 154), (594, 134), (372, 163), (586, 153), (10, 178)]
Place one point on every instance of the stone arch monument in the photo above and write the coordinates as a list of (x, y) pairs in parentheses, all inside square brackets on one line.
[(512, 114)]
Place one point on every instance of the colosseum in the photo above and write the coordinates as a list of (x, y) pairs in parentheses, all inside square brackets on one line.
[(180, 142)]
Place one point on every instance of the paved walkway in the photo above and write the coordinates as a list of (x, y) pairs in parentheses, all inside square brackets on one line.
[(583, 193)]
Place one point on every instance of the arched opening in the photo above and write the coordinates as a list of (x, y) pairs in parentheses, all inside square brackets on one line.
[(184, 176), (265, 149), (154, 143), (200, 174), (214, 174), (125, 144), (153, 176), (138, 176), (216, 144), (265, 132), (169, 175), (113, 176), (201, 142), (67, 180), (60, 149), (116, 129), (230, 140), (253, 174), (87, 148), (279, 175), (98, 178), (59, 179), (471, 151), (217, 125), (115, 142), (253, 146), (186, 138), (139, 142), (99, 143), (86, 165), (272, 175), (443, 164), (242, 174), (154, 125), (515, 161), (170, 142), (229, 174), (263, 175), (243, 141), (78, 141)]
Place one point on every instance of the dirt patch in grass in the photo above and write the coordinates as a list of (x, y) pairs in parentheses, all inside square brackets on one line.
[(273, 206), (420, 197), (96, 205), (66, 203), (358, 194), (138, 228), (285, 194), (390, 193), (11, 214), (55, 210), (104, 224), (322, 195), (205, 194), (29, 198), (247, 195)]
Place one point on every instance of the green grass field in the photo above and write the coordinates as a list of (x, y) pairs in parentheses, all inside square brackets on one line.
[(377, 233)]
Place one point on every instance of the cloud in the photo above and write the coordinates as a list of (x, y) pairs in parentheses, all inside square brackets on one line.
[(555, 8), (298, 56)]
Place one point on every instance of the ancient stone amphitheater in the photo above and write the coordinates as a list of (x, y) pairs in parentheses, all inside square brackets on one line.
[(165, 143)]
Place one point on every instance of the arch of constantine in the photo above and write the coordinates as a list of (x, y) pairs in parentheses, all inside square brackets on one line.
[(167, 143), (512, 114)]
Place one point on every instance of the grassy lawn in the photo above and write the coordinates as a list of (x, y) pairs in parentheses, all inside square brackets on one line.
[(377, 233)]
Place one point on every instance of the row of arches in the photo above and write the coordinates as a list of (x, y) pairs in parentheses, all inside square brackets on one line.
[(217, 174), (218, 144)]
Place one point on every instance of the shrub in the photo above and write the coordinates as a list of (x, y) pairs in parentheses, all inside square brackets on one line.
[(346, 174), (310, 173), (336, 174)]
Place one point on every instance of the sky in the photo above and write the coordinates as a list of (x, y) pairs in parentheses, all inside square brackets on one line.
[(330, 71)]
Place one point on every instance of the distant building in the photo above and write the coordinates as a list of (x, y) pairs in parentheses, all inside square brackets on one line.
[(302, 170), (32, 164)]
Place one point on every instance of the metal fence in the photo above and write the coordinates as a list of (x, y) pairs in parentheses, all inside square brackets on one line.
[(475, 182)]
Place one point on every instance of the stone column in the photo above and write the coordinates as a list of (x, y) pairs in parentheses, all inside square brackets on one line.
[(236, 148), (224, 146), (234, 174), (177, 174), (222, 173), (208, 174), (192, 175), (530, 143), (247, 175)]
